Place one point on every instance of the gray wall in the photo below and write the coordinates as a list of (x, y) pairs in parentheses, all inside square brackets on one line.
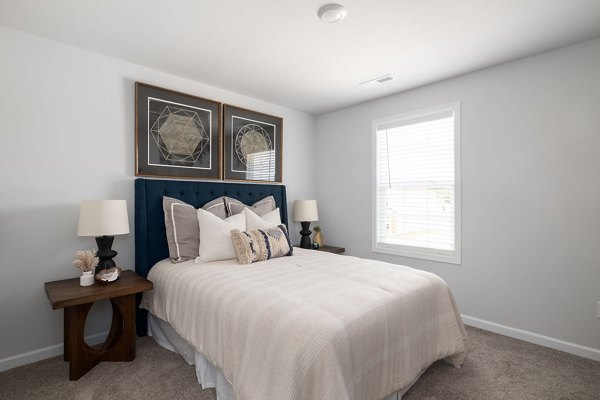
[(530, 186), (68, 134), (531, 181)]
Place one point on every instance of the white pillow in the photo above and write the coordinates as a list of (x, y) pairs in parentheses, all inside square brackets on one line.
[(272, 219), (215, 236)]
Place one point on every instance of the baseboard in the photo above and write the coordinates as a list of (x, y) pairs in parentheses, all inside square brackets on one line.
[(568, 347), (534, 338), (46, 352)]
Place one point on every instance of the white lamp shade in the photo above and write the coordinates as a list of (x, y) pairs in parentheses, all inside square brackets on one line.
[(103, 217), (305, 211)]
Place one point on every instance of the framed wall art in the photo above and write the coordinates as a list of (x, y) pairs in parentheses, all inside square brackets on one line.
[(252, 145), (176, 135)]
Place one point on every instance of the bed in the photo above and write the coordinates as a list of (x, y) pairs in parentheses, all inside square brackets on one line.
[(310, 326)]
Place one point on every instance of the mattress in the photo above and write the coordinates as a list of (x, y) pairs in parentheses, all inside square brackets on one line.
[(311, 326)]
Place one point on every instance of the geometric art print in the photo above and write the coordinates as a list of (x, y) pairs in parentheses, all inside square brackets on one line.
[(252, 145), (177, 135)]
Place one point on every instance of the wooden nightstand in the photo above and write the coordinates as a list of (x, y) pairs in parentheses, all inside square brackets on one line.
[(77, 301), (332, 249), (329, 249)]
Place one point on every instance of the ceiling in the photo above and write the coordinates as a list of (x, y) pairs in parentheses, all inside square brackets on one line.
[(279, 51)]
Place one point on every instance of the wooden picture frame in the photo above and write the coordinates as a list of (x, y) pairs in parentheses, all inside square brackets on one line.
[(177, 135), (252, 145)]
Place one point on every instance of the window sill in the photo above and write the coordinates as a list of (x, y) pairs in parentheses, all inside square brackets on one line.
[(449, 259)]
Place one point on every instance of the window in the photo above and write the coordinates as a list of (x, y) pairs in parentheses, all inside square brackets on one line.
[(261, 166), (416, 184)]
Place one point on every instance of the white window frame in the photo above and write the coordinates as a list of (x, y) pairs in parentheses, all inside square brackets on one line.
[(405, 251)]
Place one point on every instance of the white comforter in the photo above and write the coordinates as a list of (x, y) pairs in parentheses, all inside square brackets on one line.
[(311, 326)]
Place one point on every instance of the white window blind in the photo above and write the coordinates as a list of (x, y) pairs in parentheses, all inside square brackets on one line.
[(261, 166), (416, 191)]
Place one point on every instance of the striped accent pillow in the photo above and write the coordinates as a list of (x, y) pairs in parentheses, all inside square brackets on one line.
[(261, 244)]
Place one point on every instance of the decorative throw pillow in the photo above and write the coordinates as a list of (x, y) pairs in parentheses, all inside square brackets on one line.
[(260, 207), (268, 220), (216, 207), (261, 244), (215, 236), (182, 229), (181, 222)]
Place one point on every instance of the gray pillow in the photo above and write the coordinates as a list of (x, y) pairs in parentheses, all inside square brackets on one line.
[(181, 222), (261, 207), (216, 207)]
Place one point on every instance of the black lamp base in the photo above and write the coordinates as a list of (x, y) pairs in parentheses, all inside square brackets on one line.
[(305, 232), (105, 253)]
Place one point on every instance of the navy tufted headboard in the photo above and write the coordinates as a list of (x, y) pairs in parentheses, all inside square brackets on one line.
[(150, 235)]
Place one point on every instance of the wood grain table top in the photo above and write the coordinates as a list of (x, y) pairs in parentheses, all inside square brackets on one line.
[(332, 249), (67, 292)]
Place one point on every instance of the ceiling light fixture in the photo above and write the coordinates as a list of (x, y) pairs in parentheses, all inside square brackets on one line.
[(332, 12), (377, 81)]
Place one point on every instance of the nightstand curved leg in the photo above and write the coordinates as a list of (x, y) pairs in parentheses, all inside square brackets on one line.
[(76, 350), (116, 328), (118, 346), (120, 343)]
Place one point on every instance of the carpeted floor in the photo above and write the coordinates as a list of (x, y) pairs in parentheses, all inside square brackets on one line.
[(496, 367)]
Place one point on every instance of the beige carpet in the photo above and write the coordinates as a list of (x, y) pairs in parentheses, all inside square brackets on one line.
[(496, 367)]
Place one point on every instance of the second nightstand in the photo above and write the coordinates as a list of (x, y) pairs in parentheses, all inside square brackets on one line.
[(332, 249)]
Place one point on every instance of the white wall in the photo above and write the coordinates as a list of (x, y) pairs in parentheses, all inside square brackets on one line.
[(530, 186), (67, 134)]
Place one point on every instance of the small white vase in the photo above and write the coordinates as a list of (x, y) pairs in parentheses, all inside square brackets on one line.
[(87, 278)]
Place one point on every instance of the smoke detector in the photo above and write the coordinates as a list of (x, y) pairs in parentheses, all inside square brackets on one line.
[(377, 81), (332, 12)]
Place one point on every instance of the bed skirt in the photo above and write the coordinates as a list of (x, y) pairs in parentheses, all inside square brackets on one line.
[(208, 375)]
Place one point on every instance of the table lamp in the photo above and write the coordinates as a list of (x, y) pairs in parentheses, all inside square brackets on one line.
[(103, 219), (305, 211)]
